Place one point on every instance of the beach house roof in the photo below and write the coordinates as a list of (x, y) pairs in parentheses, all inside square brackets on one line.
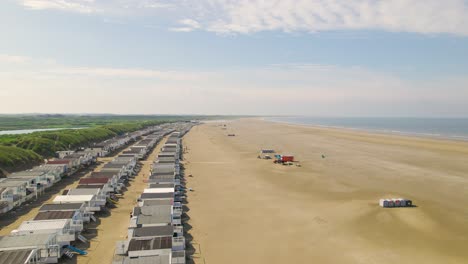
[(84, 191), (160, 259), (156, 195), (43, 225), (90, 186), (19, 256), (154, 231), (161, 185), (27, 174), (162, 176), (103, 174), (50, 215), (94, 181), (123, 159), (61, 207), (167, 154), (73, 198), (24, 241), (159, 190), (59, 161), (11, 182), (157, 202), (150, 244), (166, 159), (114, 165), (153, 214)]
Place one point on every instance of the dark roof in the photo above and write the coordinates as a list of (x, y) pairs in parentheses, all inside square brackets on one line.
[(94, 181), (162, 185), (167, 154), (152, 231), (162, 176), (102, 174), (90, 186), (173, 180), (58, 161), (113, 165), (15, 256), (132, 151), (54, 215), (61, 207), (126, 155), (165, 158), (156, 173), (156, 195), (157, 202), (150, 244)]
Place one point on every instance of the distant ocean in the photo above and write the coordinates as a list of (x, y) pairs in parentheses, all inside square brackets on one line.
[(451, 128)]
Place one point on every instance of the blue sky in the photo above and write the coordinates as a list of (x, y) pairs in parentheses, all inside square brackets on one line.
[(321, 58)]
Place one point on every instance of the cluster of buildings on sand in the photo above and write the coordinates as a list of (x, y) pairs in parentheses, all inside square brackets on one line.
[(21, 187), (155, 231), (49, 237), (395, 202)]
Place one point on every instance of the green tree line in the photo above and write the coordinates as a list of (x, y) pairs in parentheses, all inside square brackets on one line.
[(19, 151)]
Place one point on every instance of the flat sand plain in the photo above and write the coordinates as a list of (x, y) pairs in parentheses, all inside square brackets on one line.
[(247, 210)]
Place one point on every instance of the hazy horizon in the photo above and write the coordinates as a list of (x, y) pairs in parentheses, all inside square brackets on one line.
[(231, 115), (331, 58)]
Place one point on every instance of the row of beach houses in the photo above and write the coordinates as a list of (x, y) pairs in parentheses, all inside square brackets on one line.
[(155, 232), (51, 234), (21, 187)]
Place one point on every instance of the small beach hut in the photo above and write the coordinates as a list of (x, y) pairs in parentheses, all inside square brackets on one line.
[(383, 202), (396, 202), (408, 203)]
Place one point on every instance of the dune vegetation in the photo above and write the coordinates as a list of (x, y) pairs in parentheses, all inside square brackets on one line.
[(25, 150)]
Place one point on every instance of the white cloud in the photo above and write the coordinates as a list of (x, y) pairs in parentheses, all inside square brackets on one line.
[(422, 16), (112, 7), (128, 73), (186, 25), (250, 16), (13, 58), (276, 89), (82, 6)]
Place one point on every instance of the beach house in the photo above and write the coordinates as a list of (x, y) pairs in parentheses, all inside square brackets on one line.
[(79, 210), (90, 203), (63, 228), (100, 197), (105, 184), (13, 193), (30, 248)]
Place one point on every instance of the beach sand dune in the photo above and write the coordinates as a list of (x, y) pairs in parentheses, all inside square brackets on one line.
[(247, 210)]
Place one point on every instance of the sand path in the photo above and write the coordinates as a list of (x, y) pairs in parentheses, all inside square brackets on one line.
[(113, 227)]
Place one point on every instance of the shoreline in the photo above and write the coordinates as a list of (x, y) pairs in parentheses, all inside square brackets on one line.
[(376, 131)]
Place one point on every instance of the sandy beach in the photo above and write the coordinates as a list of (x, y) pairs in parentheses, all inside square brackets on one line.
[(247, 210)]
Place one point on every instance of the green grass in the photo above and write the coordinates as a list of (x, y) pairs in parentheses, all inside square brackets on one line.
[(11, 157), (18, 122), (20, 151), (45, 144)]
